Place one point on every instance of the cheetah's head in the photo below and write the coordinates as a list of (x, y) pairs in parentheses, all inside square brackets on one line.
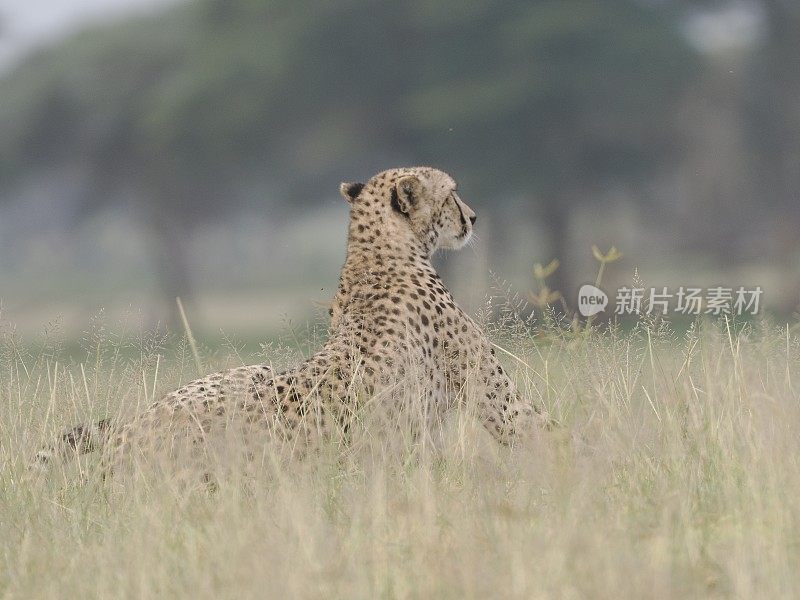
[(418, 201)]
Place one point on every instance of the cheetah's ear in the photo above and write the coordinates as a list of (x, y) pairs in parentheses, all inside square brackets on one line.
[(406, 193), (350, 191)]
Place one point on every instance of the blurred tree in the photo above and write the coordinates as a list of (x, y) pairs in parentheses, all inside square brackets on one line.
[(743, 163), (89, 105), (548, 101), (775, 104), (775, 127)]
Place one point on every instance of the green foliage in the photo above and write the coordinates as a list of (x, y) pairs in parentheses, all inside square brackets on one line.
[(189, 111), (527, 91)]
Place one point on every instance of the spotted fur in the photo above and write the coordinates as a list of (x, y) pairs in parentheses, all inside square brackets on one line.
[(391, 317)]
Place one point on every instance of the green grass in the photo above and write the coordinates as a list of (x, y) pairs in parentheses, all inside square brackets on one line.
[(674, 472)]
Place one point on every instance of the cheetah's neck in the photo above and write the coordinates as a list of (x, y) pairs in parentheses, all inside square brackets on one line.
[(378, 263)]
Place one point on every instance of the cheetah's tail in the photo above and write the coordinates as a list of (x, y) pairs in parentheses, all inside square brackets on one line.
[(78, 440)]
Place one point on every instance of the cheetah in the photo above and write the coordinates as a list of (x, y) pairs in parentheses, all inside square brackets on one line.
[(391, 317)]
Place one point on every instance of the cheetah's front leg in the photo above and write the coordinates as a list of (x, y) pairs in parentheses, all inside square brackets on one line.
[(505, 412)]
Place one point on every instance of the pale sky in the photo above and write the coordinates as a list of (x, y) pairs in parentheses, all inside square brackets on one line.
[(739, 24), (26, 24)]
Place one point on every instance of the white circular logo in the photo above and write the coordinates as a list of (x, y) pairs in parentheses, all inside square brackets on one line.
[(591, 300)]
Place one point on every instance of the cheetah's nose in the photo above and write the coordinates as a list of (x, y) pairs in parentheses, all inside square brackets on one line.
[(472, 219)]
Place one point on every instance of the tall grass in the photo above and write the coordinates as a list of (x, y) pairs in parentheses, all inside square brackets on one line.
[(674, 472)]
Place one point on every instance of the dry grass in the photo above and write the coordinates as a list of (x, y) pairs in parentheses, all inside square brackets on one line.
[(674, 473)]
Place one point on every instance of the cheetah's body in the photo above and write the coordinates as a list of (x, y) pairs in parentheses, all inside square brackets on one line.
[(392, 317)]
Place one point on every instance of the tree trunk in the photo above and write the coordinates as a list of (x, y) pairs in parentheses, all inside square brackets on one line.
[(556, 221), (171, 262)]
